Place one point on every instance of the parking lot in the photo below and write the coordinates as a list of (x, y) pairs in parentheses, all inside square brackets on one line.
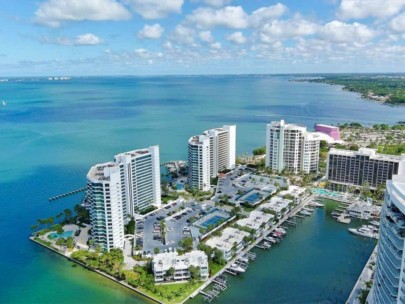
[(235, 184), (176, 217), (178, 221)]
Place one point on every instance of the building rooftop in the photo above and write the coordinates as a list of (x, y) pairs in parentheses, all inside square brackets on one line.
[(198, 139), (326, 126), (226, 241), (287, 126), (372, 153), (276, 203), (255, 220), (164, 261), (102, 172), (135, 153)]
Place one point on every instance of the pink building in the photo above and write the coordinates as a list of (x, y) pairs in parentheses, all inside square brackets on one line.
[(329, 130)]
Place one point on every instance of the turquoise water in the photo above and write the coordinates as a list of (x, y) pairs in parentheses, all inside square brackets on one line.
[(52, 132), (325, 192), (179, 187), (317, 262), (212, 221), (253, 198), (64, 235)]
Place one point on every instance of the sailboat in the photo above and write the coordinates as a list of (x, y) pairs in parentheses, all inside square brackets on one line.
[(4, 103)]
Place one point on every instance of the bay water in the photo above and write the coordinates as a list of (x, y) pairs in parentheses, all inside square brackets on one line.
[(53, 131)]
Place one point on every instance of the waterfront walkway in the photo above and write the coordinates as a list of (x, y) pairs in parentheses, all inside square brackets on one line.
[(364, 277)]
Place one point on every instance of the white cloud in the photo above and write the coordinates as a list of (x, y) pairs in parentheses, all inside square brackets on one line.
[(183, 35), (55, 12), (80, 40), (290, 28), (359, 9), (229, 17), (237, 38), (340, 32), (217, 3), (154, 31), (88, 39), (398, 23), (156, 9), (265, 14), (206, 36), (216, 45)]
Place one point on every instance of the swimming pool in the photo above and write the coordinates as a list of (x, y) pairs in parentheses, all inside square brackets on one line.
[(55, 235), (253, 198), (214, 220), (325, 192), (179, 186)]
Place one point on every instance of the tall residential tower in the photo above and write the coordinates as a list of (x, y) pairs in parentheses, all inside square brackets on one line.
[(389, 277), (292, 147), (105, 193), (222, 148), (199, 162), (142, 179)]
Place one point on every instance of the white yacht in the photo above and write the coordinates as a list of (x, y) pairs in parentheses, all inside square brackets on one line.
[(364, 231), (237, 268)]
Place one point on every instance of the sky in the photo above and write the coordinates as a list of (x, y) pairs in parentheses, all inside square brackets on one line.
[(161, 37)]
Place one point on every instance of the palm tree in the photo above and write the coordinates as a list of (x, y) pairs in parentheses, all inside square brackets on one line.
[(68, 214)]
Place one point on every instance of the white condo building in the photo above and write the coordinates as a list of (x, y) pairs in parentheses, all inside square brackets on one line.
[(142, 179), (222, 148), (292, 147), (162, 262), (199, 162), (105, 193), (389, 277)]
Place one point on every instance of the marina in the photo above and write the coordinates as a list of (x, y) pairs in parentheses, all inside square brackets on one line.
[(270, 266)]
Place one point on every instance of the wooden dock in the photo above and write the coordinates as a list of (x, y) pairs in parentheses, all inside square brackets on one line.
[(57, 197)]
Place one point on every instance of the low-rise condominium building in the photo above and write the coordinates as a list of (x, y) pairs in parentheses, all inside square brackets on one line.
[(230, 242), (258, 221), (279, 205), (171, 266)]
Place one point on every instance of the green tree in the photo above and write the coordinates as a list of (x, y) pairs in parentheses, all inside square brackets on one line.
[(68, 215), (194, 272), (156, 250), (186, 243), (170, 272), (259, 151)]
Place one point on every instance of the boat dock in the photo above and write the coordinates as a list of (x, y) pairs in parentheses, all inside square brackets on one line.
[(211, 289), (54, 198), (265, 245)]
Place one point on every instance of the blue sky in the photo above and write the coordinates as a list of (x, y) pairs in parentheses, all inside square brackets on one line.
[(144, 37)]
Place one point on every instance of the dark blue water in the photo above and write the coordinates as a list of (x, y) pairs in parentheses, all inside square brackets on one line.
[(52, 132)]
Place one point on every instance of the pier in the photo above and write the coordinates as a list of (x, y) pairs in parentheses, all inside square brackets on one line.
[(57, 197)]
